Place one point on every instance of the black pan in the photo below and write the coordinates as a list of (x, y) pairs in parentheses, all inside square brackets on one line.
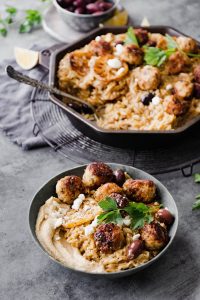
[(122, 138)]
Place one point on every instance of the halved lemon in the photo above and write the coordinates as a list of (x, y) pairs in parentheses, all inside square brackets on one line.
[(26, 59), (120, 18)]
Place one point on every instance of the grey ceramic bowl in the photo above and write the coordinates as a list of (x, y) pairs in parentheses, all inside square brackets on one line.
[(84, 23), (48, 190)]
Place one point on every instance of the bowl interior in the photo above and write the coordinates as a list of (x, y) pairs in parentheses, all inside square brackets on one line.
[(48, 190)]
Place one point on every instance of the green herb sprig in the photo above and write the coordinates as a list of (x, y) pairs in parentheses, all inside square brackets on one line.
[(131, 37), (138, 212), (155, 56), (32, 19), (5, 22)]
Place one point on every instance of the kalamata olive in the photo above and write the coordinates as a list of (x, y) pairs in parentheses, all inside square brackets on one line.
[(164, 216), (135, 249), (97, 12), (147, 98), (92, 8), (71, 8), (196, 90), (79, 3), (104, 5), (79, 10), (119, 42), (119, 176), (122, 201), (75, 106)]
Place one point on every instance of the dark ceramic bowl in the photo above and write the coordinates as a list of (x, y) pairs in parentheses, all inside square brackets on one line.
[(84, 23), (48, 190)]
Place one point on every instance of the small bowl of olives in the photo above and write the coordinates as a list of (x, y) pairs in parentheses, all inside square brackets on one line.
[(84, 15)]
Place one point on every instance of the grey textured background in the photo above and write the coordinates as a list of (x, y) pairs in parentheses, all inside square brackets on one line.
[(25, 273)]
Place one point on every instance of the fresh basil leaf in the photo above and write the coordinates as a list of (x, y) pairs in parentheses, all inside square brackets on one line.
[(197, 177), (108, 204), (3, 32), (171, 43), (11, 10), (131, 37), (196, 205)]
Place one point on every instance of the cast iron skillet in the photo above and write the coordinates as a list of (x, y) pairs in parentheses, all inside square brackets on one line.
[(48, 190), (120, 138)]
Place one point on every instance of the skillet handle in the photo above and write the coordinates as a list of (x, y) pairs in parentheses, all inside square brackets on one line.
[(45, 54)]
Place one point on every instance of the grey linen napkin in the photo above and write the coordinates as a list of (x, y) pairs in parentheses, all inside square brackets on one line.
[(15, 116)]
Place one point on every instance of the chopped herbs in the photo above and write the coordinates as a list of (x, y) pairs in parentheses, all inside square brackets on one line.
[(5, 22), (156, 57), (131, 37), (197, 178), (171, 43), (32, 19), (193, 55), (138, 212)]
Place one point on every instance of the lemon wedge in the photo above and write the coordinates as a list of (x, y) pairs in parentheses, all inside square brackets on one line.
[(26, 59), (120, 18)]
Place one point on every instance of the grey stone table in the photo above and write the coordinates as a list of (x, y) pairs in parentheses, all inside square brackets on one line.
[(25, 272)]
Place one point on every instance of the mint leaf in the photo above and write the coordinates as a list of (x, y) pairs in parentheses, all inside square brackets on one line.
[(196, 205), (171, 43), (108, 204), (197, 177), (131, 37)]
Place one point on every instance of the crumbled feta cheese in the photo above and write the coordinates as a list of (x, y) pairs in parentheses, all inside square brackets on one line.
[(58, 223), (54, 203), (98, 38), (89, 230), (156, 100), (114, 63), (169, 87), (119, 49), (136, 237), (120, 71), (78, 201), (127, 221), (86, 207), (57, 238), (55, 214), (94, 222)]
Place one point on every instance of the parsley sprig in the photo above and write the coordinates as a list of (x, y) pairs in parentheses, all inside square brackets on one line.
[(196, 204), (131, 37), (138, 212), (32, 19), (156, 57), (5, 22)]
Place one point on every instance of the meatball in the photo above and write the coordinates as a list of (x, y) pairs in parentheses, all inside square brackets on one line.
[(163, 215), (140, 190), (186, 44), (106, 190), (183, 89), (69, 188), (142, 36), (175, 106), (176, 63), (101, 47), (197, 73), (158, 40), (154, 236), (132, 54), (147, 77), (109, 238), (97, 173)]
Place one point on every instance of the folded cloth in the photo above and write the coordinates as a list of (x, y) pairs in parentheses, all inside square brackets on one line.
[(15, 116)]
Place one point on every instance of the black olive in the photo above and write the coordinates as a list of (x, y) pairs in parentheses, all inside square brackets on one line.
[(147, 98), (122, 201), (196, 91), (119, 176), (75, 106), (164, 216), (135, 249)]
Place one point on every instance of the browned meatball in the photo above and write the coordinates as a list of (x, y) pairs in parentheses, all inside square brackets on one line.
[(176, 63), (147, 77), (106, 190), (175, 106), (197, 73), (132, 54), (186, 44), (109, 238), (140, 190), (158, 40), (154, 236), (142, 36), (97, 173), (68, 188), (101, 47), (183, 88)]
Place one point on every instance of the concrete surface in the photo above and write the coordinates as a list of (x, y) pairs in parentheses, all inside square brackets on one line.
[(25, 272)]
